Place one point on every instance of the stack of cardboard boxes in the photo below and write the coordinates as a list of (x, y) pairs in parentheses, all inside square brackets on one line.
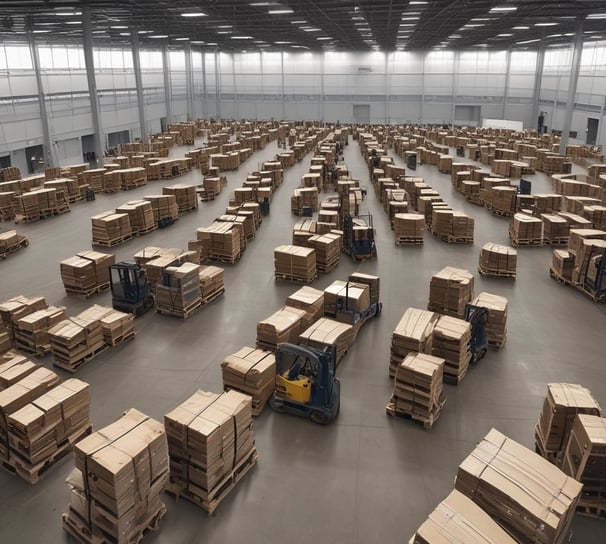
[(16, 308), (110, 229), (530, 498), (285, 325), (498, 260), (251, 371), (211, 283), (496, 324), (117, 327), (220, 241), (408, 228), (31, 331), (327, 333), (556, 229), (452, 342), (311, 301), (452, 226), (306, 197), (418, 388), (140, 215), (450, 290), (185, 196), (295, 263), (526, 230), (413, 333), (179, 294), (211, 443), (328, 250), (87, 273), (117, 484)]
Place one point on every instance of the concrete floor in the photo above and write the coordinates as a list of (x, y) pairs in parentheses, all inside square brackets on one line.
[(365, 479)]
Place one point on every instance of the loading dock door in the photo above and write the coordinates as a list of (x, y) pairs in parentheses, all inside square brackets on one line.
[(361, 114)]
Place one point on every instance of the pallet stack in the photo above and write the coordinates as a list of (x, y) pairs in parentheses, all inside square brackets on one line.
[(31, 331), (220, 242), (498, 261), (563, 402), (304, 198), (525, 494), (328, 250), (311, 301), (562, 265), (584, 460), (253, 372), (87, 273), (185, 195), (452, 226), (117, 484), (117, 327), (130, 178), (110, 229), (211, 446), (140, 215), (326, 333), (5, 340), (496, 324), (556, 229), (450, 290), (46, 428), (408, 228), (295, 263), (285, 325), (18, 307), (503, 200), (211, 283), (413, 333), (525, 230), (452, 342), (179, 294), (76, 340), (418, 389), (458, 520)]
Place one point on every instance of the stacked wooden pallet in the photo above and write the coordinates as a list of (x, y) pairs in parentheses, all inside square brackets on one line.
[(408, 228), (450, 290), (486, 477), (117, 327), (211, 283), (503, 201), (526, 230), (418, 388), (87, 273), (76, 340), (452, 342), (6, 342), (179, 294), (253, 372), (295, 263), (117, 484), (130, 178), (563, 402), (285, 325), (328, 250), (497, 260), (221, 241), (413, 333), (556, 229), (211, 446), (31, 331), (452, 226), (110, 229), (140, 216), (496, 324), (185, 196), (327, 333), (16, 308)]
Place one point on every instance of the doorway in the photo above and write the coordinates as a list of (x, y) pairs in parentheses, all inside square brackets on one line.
[(88, 150), (35, 158), (592, 131), (361, 114)]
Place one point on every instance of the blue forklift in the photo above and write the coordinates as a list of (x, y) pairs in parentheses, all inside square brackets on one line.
[(306, 384), (594, 281), (130, 289), (477, 317), (359, 237)]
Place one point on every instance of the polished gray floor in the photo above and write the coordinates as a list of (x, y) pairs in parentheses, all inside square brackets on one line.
[(367, 478)]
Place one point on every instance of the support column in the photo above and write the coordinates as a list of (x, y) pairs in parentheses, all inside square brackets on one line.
[(49, 158), (538, 78), (204, 87), (572, 85), (262, 86), (217, 84), (506, 90), (387, 92), (233, 72), (282, 72), (139, 84), (599, 134), (99, 137), (455, 71), (422, 87), (168, 99), (322, 54), (189, 82)]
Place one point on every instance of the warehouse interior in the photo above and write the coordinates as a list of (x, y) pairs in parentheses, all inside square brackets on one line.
[(79, 79)]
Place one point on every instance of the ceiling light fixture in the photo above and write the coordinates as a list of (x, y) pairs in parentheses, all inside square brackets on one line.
[(597, 16), (280, 11), (241, 37), (323, 38), (197, 42), (193, 14), (504, 9), (119, 27), (520, 28), (410, 18), (504, 35), (159, 36), (546, 24), (179, 39), (528, 41)]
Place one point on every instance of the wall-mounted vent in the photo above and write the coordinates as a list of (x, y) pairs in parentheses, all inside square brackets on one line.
[(364, 69)]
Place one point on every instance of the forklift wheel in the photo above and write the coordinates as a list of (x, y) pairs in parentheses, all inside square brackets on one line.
[(148, 303), (277, 406), (379, 308), (26, 243), (318, 417)]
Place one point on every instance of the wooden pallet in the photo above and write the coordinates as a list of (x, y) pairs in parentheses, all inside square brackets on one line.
[(535, 242), (206, 196), (224, 259), (328, 267), (31, 348), (399, 241), (210, 501), (592, 511), (79, 529), (120, 339), (34, 473), (495, 273), (450, 239), (296, 279), (502, 213), (558, 277), (23, 242), (114, 242), (187, 209), (148, 229), (555, 241), (451, 379), (75, 365), (87, 293), (552, 456), (186, 312), (496, 345), (212, 296), (26, 218), (391, 410)]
